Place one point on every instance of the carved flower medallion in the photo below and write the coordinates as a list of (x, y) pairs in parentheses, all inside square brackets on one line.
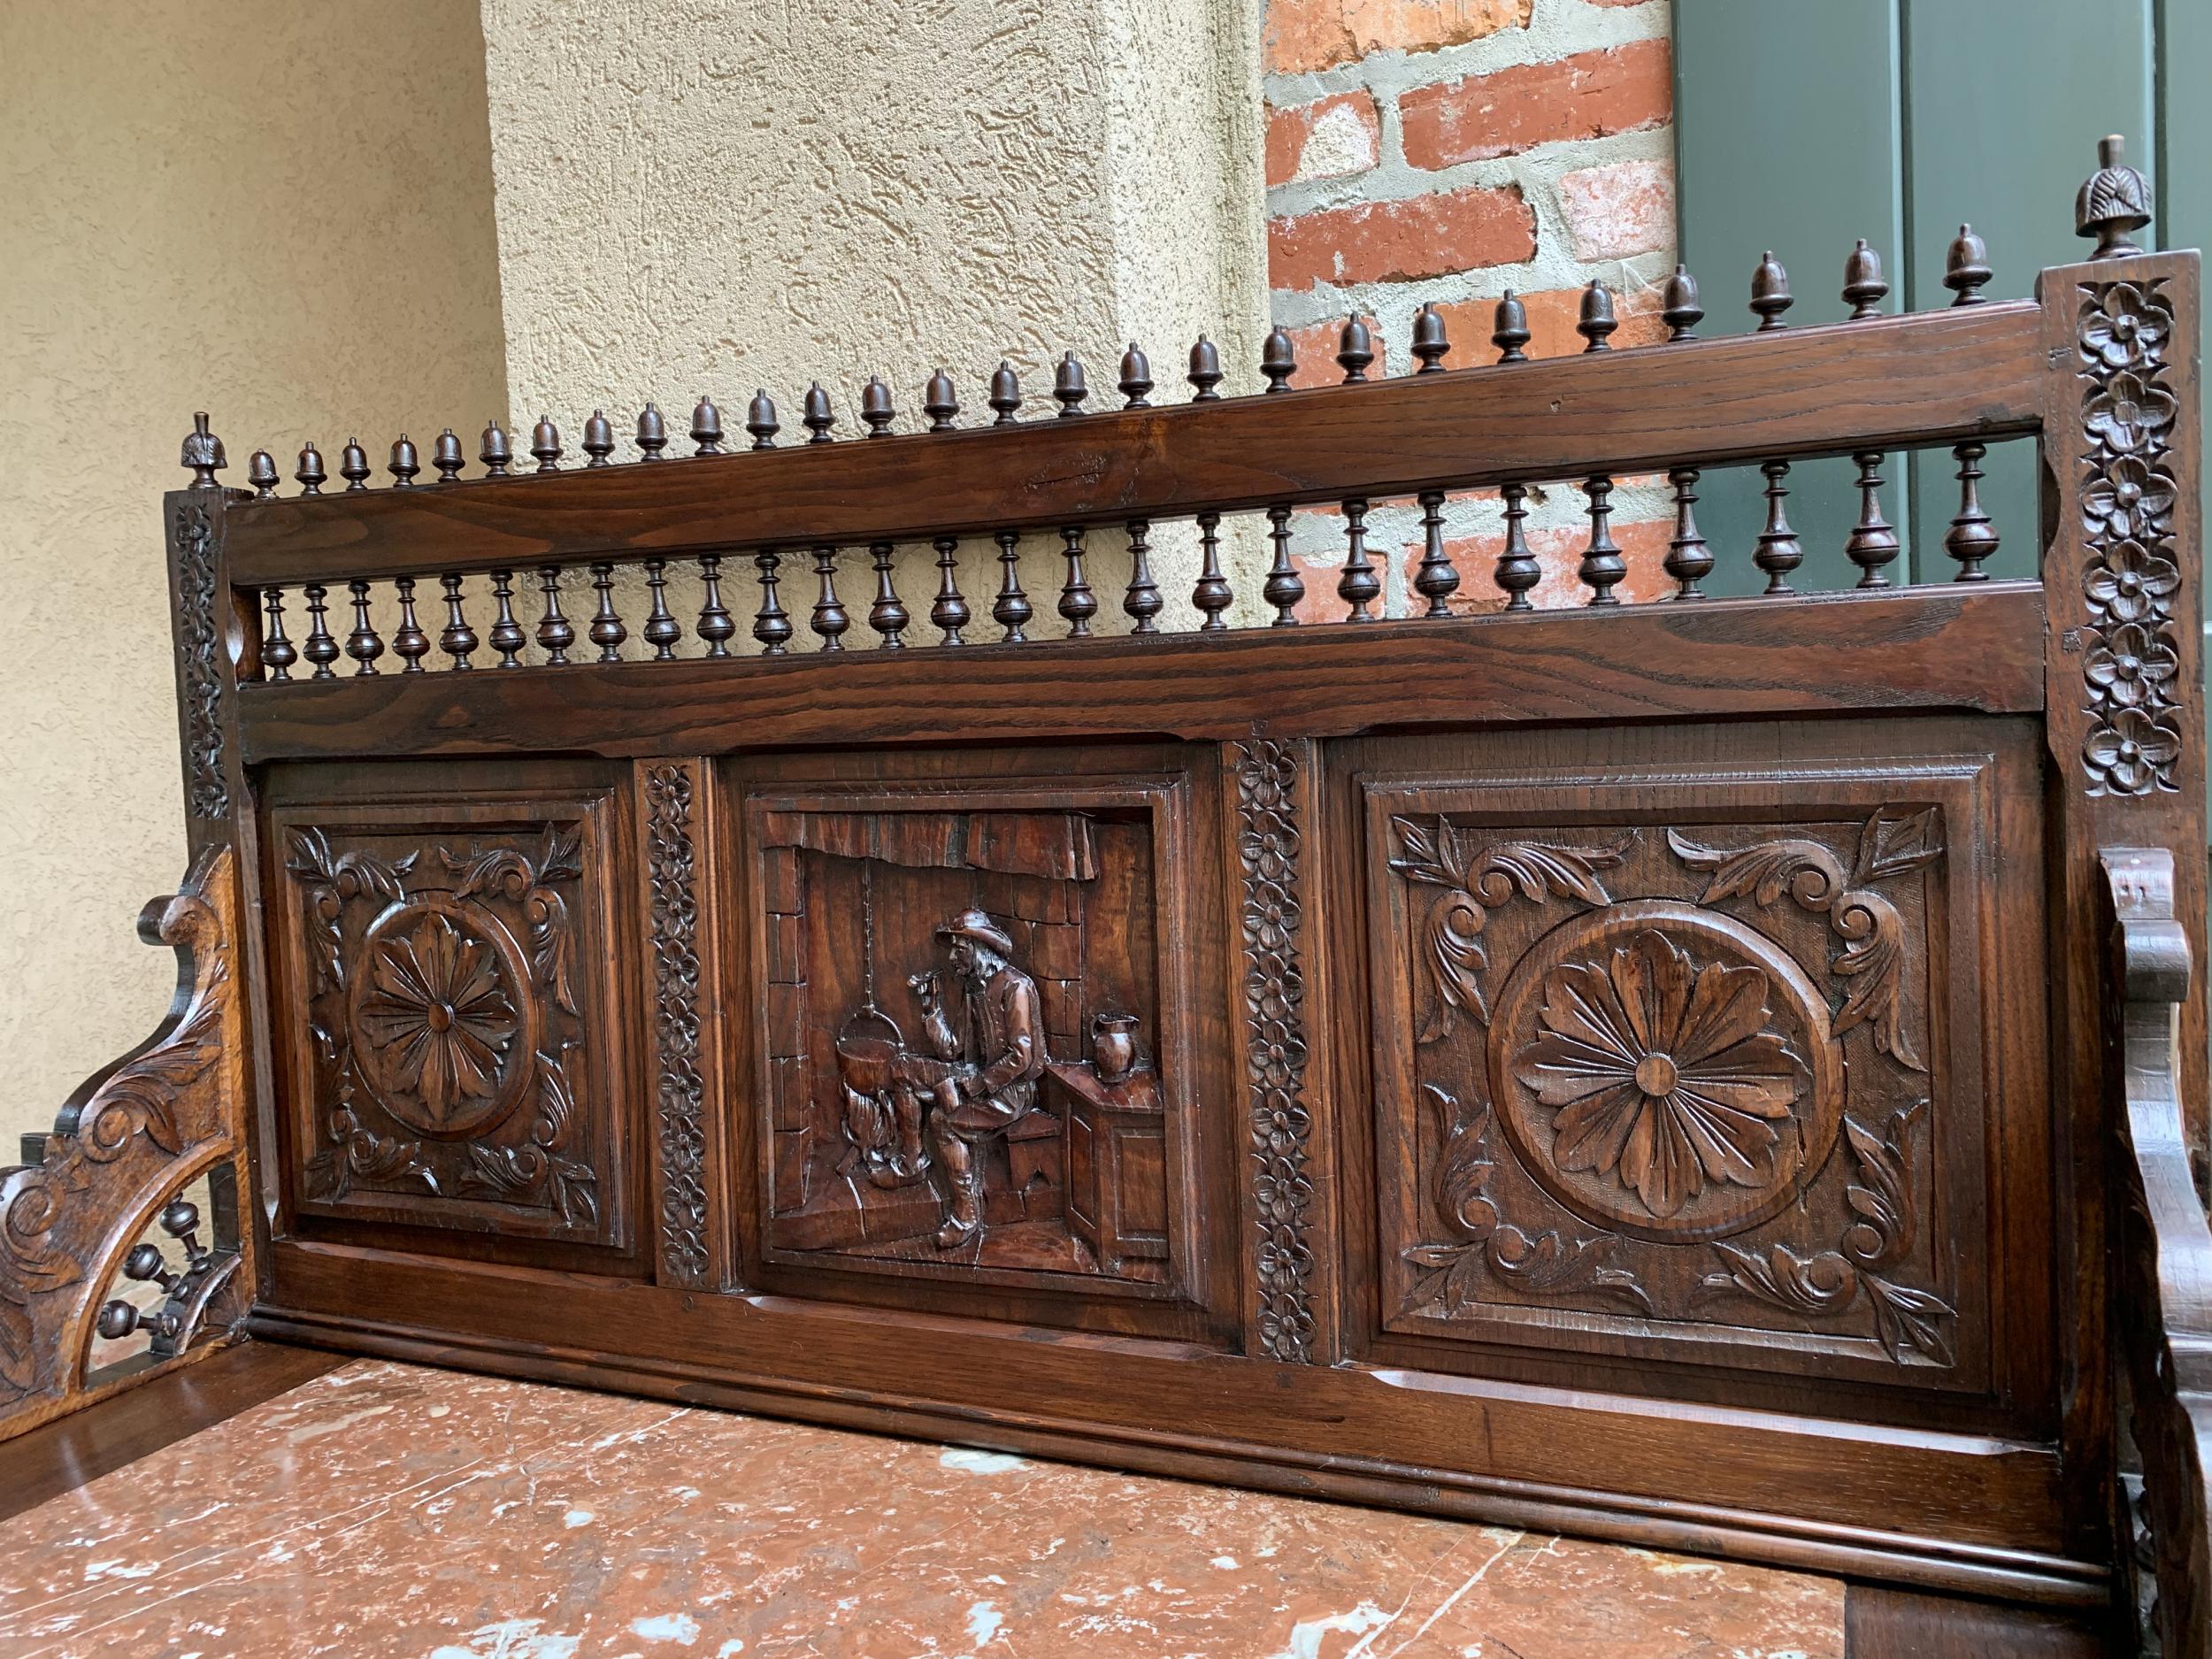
[(439, 1017), (1666, 1071)]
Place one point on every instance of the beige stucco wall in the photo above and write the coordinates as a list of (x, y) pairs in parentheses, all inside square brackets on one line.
[(277, 212)]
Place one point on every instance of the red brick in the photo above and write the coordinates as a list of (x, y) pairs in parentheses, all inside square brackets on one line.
[(1350, 139), (1617, 211), (1552, 316), (1620, 3), (1587, 95), (1401, 241), (1643, 543), (1316, 347), (1303, 34)]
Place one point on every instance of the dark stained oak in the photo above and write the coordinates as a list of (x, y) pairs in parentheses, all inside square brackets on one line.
[(1882, 1623)]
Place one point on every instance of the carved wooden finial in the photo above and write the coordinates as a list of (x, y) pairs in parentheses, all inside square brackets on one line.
[(310, 471), (445, 454), (261, 473), (1068, 387), (1355, 348), (2112, 201), (1509, 328), (545, 443), (1966, 267), (1597, 320), (1205, 371), (1136, 378), (1279, 359), (652, 433), (404, 463), (353, 465), (598, 438), (940, 403), (760, 419), (1430, 345), (203, 453), (819, 418), (1679, 306), (1769, 292), (875, 407), (1006, 394), (706, 428), (492, 450), (1863, 288)]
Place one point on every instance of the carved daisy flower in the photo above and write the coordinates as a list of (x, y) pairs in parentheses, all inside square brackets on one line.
[(2129, 415), (2132, 751), (2127, 330), (1664, 1072), (438, 1014), (2130, 582), (2132, 667), (2130, 498)]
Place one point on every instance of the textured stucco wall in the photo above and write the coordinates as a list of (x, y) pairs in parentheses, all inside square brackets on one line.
[(280, 213)]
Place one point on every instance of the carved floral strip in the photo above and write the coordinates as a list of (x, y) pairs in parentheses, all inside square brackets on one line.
[(207, 791), (672, 871)]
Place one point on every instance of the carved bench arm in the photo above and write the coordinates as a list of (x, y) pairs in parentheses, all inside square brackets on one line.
[(2163, 1322)]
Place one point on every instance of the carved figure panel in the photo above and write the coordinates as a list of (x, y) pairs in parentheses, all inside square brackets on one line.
[(453, 1027), (967, 1072), (1687, 1075)]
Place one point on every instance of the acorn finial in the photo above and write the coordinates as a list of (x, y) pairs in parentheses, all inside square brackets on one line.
[(1205, 371), (203, 453), (1136, 378), (1769, 292), (1355, 348), (1279, 359), (445, 454), (1429, 343), (493, 452), (1006, 393), (1966, 267), (262, 474), (545, 443), (652, 433), (875, 407), (940, 403), (598, 438), (1597, 320), (1679, 306), (816, 416), (353, 465), (2112, 201), (404, 463), (760, 419), (1508, 330), (310, 471), (1862, 284), (1068, 387), (706, 428)]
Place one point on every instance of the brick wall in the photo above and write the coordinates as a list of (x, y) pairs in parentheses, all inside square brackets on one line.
[(1447, 150)]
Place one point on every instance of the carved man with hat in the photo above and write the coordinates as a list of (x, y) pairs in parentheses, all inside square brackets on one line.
[(996, 1062)]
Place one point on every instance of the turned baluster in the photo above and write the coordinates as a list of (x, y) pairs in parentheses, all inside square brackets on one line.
[(1068, 387), (1136, 378), (1517, 569), (1779, 552), (1284, 586), (760, 419), (1205, 371), (1430, 346), (829, 620), (457, 640), (545, 444), (1769, 293), (261, 473), (277, 652), (1077, 604), (771, 626), (949, 613), (409, 643), (1972, 539), (1358, 587), (652, 433), (322, 646), (445, 454), (706, 428), (888, 616), (661, 630), (1141, 602), (1436, 579), (606, 630), (1872, 543), (715, 625), (1509, 329), (311, 474), (1279, 359), (507, 637), (362, 644), (875, 407), (492, 450), (598, 439), (556, 631), (940, 403), (1210, 596), (1689, 561), (1355, 348), (1011, 609), (1602, 565), (1679, 306), (353, 465), (816, 416), (1006, 395)]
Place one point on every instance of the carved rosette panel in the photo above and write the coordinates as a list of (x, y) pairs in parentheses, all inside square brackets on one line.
[(2131, 662), (453, 1021), (671, 868), (192, 542), (1672, 1079), (1269, 850)]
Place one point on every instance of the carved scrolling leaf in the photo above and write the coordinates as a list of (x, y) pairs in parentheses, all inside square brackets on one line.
[(328, 881), (530, 881), (541, 1170)]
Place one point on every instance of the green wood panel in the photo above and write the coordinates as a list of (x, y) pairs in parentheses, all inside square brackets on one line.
[(2001, 125), (1787, 137)]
